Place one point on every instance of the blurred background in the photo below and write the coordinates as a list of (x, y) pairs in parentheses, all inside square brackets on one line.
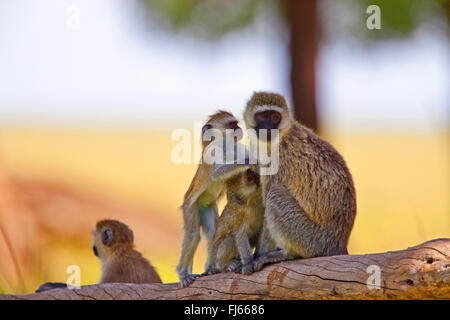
[(90, 92)]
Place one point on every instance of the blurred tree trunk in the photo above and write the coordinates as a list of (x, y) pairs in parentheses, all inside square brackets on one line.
[(304, 37)]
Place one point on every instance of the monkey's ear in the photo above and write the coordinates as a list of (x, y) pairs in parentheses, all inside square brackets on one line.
[(107, 236)]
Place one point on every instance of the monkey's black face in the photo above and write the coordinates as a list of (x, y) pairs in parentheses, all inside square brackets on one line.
[(267, 120), (95, 250), (252, 177)]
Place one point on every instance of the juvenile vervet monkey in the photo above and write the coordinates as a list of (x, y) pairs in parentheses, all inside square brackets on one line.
[(310, 202), (113, 244), (200, 201), (240, 224)]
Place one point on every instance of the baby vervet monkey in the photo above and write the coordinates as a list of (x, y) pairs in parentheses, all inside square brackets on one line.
[(207, 186), (113, 244), (310, 201), (239, 224)]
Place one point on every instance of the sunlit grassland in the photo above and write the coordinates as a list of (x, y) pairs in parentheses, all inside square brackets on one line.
[(402, 183)]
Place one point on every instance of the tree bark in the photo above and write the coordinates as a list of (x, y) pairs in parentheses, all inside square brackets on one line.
[(304, 41), (420, 272)]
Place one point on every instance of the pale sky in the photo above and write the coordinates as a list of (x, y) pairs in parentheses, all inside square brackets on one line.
[(111, 72)]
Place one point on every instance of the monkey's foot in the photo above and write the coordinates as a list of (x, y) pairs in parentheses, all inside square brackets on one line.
[(259, 263), (247, 268), (234, 266), (210, 271), (271, 257), (187, 279)]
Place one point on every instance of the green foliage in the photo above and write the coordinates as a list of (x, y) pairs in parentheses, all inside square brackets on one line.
[(205, 18), (211, 19), (399, 18)]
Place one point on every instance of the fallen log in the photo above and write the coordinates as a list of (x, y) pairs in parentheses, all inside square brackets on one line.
[(420, 272)]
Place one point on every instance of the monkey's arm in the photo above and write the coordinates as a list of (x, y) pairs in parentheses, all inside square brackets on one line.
[(226, 171), (302, 237), (245, 250), (311, 239), (229, 221), (198, 185), (264, 242), (223, 231)]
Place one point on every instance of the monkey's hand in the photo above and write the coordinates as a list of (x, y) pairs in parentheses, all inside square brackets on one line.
[(258, 263), (226, 171), (274, 256), (187, 278), (211, 270), (234, 266), (247, 268)]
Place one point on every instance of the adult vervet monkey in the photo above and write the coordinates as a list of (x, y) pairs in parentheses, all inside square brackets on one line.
[(310, 202), (207, 186)]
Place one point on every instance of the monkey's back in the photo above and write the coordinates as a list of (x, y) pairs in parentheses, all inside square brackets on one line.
[(318, 178), (196, 187), (131, 267)]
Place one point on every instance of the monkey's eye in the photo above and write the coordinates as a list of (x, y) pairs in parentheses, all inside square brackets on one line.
[(261, 116), (269, 116), (232, 125), (205, 128), (275, 117)]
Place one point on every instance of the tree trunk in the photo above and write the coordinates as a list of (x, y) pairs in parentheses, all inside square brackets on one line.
[(421, 272), (304, 38)]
